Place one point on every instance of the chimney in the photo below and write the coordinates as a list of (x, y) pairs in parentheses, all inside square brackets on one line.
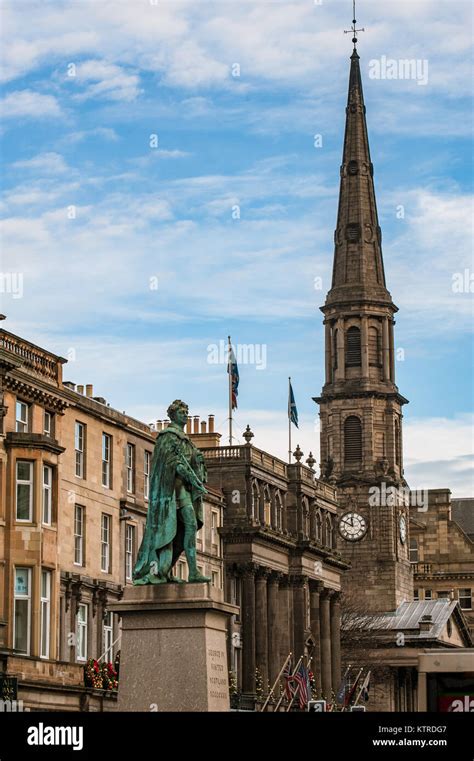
[(211, 423), (426, 623), (70, 384), (90, 390), (189, 424), (159, 425), (203, 426), (196, 424), (80, 389), (166, 423)]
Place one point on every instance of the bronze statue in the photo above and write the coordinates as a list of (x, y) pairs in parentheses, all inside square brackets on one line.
[(175, 512)]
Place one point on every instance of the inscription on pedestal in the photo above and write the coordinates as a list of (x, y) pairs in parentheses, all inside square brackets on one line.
[(218, 688)]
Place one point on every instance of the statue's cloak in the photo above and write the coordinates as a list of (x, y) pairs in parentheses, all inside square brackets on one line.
[(174, 456)]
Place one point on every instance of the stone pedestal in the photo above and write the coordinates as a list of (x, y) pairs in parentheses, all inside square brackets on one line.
[(173, 655)]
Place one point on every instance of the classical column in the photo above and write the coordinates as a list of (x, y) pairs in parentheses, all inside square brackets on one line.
[(386, 349), (315, 588), (248, 628), (326, 669), (364, 340), (274, 663), (335, 616), (299, 613), (284, 620), (261, 624)]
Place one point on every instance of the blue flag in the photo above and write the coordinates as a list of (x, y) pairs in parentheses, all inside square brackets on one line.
[(292, 411)]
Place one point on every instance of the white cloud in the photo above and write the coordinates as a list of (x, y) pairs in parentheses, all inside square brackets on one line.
[(105, 80), (107, 133), (44, 163), (27, 103)]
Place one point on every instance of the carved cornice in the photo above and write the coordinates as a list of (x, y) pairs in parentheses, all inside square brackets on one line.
[(36, 394)]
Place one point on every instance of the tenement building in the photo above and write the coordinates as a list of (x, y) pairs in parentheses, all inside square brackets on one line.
[(442, 551), (74, 480)]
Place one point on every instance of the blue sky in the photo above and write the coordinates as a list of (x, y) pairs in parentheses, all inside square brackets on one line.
[(144, 215)]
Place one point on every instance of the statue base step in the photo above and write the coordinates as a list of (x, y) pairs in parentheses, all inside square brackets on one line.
[(173, 655)]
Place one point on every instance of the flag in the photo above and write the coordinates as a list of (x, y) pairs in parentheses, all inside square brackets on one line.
[(292, 411), (352, 690), (290, 688), (341, 693), (302, 680), (366, 687), (233, 370)]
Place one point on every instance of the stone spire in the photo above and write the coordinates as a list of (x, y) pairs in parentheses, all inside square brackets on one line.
[(358, 271)]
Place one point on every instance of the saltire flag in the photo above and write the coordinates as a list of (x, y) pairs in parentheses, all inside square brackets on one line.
[(302, 680), (233, 370), (292, 411)]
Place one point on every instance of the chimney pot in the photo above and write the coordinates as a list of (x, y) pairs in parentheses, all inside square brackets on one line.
[(189, 424), (89, 390), (211, 423), (80, 389), (196, 424), (203, 426)]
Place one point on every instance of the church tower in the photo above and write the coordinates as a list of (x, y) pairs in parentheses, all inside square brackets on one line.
[(360, 405)]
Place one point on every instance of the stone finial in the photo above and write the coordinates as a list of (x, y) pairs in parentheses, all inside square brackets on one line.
[(311, 462), (248, 435), (298, 454)]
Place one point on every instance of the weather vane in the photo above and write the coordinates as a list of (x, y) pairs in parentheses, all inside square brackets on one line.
[(353, 27)]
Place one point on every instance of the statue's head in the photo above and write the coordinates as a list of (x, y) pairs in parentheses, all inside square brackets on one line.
[(178, 412)]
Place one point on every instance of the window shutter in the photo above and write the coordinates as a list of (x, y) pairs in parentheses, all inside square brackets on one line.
[(352, 439), (353, 353)]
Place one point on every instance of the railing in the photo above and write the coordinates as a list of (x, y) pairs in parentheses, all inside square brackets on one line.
[(35, 359), (422, 567)]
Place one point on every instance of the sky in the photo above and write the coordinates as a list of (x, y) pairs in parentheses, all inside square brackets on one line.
[(171, 178)]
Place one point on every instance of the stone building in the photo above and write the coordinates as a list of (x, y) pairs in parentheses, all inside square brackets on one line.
[(281, 564), (74, 476), (442, 551), (360, 405)]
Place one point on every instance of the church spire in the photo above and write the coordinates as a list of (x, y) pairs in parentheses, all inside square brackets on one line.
[(358, 271)]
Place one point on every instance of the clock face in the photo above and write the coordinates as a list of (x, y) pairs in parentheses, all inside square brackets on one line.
[(352, 526), (403, 529)]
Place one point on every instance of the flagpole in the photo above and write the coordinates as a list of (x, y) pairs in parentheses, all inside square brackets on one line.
[(289, 421), (364, 685), (229, 372), (288, 657)]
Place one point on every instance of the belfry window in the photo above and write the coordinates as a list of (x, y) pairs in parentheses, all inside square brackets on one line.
[(352, 439), (353, 352), (374, 347)]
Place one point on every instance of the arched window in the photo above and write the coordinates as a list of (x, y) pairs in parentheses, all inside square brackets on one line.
[(329, 531), (318, 527), (278, 512), (305, 516), (334, 349), (352, 440), (374, 347), (397, 442), (353, 352), (413, 551), (255, 500), (267, 506)]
